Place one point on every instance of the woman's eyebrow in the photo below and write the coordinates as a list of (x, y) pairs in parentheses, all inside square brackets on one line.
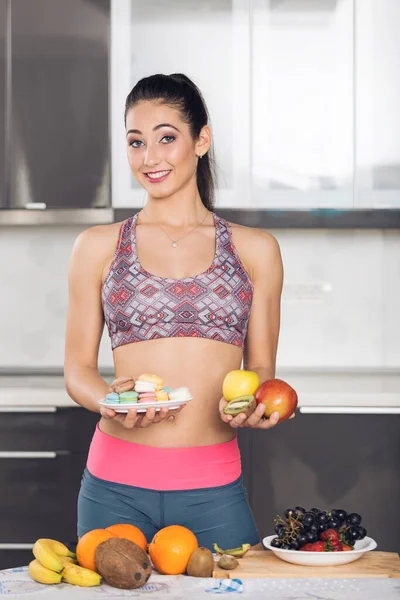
[(154, 128)]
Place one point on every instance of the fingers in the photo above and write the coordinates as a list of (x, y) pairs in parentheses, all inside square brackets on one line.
[(224, 417), (122, 384), (161, 415), (255, 420), (148, 418), (256, 417), (268, 423), (107, 413), (130, 419)]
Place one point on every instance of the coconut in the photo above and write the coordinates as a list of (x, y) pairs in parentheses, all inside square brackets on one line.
[(122, 563), (201, 563)]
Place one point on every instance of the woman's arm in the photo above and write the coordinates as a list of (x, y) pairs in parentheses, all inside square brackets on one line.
[(85, 321), (264, 323)]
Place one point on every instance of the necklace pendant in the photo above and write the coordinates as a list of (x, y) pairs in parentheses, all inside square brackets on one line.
[(174, 244)]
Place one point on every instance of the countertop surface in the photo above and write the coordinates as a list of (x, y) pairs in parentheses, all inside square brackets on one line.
[(16, 584), (330, 390)]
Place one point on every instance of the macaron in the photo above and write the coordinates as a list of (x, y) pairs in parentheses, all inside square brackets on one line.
[(162, 396), (151, 378), (112, 398), (148, 396), (181, 393), (145, 388), (167, 389), (128, 397)]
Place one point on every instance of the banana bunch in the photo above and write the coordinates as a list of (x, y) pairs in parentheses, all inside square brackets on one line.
[(54, 562)]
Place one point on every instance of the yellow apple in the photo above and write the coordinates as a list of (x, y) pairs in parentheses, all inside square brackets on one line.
[(239, 383)]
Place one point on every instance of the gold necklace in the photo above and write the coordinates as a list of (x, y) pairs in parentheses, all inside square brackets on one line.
[(175, 242)]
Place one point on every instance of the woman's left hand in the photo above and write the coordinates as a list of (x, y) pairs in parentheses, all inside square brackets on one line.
[(255, 420)]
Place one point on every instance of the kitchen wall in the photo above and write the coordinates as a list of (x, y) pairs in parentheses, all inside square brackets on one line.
[(339, 308)]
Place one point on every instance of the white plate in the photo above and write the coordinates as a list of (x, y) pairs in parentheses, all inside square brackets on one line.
[(143, 406), (321, 559)]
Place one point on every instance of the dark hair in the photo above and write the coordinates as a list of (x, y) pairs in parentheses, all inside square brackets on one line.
[(179, 91)]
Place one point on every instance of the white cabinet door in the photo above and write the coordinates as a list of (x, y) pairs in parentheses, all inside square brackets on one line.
[(209, 41), (377, 104), (302, 151)]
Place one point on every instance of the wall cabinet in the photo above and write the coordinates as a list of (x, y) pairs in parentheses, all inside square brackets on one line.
[(42, 458), (3, 99), (303, 96), (328, 461), (58, 148)]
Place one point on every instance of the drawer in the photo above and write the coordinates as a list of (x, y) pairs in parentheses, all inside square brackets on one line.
[(39, 497), (12, 556), (64, 429)]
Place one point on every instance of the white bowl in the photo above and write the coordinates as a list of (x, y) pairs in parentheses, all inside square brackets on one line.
[(321, 559)]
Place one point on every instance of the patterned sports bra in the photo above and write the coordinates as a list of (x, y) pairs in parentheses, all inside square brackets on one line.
[(140, 306)]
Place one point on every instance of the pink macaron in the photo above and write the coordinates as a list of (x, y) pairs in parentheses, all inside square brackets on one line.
[(147, 397)]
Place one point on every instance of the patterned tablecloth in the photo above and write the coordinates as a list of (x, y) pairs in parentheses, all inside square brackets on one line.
[(16, 584)]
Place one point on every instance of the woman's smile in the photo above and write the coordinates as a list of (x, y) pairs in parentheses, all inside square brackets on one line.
[(157, 176)]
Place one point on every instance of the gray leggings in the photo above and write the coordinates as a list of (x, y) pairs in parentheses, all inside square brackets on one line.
[(217, 514)]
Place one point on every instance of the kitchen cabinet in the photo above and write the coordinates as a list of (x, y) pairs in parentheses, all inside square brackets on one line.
[(59, 89), (328, 461), (3, 99), (219, 66), (42, 458), (302, 67), (377, 84)]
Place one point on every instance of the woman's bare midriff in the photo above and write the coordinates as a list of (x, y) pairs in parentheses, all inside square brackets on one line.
[(201, 365)]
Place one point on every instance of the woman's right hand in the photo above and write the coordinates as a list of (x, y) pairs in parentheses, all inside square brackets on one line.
[(133, 419)]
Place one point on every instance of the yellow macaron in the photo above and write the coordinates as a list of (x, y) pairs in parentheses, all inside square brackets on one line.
[(161, 396), (151, 378)]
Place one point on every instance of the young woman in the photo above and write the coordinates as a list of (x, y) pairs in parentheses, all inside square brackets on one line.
[(185, 295)]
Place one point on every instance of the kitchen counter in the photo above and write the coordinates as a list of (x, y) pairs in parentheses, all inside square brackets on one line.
[(16, 584), (330, 390)]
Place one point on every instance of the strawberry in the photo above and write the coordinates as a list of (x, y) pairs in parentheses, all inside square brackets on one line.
[(318, 547), (335, 547), (307, 548), (330, 535), (346, 547)]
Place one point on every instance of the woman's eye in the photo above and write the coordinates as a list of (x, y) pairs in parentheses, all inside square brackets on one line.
[(135, 143), (168, 139)]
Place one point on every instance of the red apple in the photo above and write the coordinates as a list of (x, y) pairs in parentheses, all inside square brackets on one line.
[(277, 396)]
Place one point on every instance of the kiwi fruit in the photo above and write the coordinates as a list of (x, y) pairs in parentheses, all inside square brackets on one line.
[(201, 563), (122, 563), (228, 562), (241, 404)]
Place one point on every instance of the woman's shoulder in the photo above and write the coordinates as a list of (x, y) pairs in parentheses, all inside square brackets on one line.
[(252, 239), (99, 236), (98, 242)]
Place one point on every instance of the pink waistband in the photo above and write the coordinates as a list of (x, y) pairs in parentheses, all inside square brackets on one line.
[(163, 469)]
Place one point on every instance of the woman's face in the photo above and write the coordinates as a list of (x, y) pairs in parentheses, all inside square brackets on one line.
[(161, 151)]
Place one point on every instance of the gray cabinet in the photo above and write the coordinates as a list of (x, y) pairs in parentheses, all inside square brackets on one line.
[(328, 461), (59, 144), (42, 458)]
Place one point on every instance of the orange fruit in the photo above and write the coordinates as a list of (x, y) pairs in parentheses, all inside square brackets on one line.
[(129, 532), (239, 383), (171, 549), (87, 544)]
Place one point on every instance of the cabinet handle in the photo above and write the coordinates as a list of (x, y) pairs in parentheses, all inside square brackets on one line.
[(351, 410), (29, 454), (16, 546), (28, 409)]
